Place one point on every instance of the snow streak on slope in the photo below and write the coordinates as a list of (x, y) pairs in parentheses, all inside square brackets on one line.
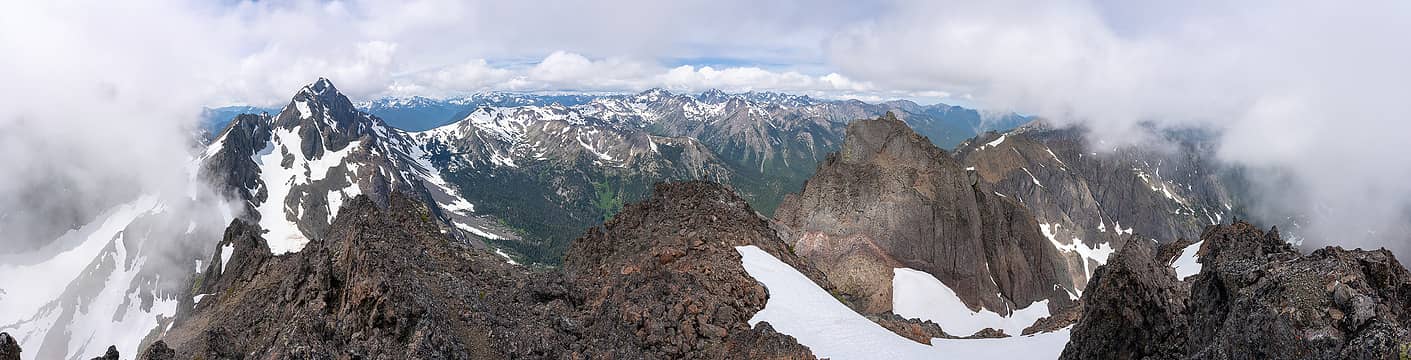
[(39, 290), (106, 290), (1098, 254), (800, 308), (919, 295)]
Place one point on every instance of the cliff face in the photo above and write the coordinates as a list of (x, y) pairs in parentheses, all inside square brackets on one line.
[(1089, 197), (889, 199), (1254, 298), (661, 280)]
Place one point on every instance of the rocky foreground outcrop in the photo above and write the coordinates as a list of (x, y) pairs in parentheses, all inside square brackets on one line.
[(1255, 298), (890, 199), (661, 280), (9, 348)]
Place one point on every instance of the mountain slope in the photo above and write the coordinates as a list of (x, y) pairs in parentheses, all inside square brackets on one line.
[(575, 165), (385, 283), (1089, 200)]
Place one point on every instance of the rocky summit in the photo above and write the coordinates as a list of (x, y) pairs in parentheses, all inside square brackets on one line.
[(1255, 297), (891, 199), (662, 280)]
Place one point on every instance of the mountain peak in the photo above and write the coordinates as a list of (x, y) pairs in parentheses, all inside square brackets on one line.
[(655, 92), (320, 86), (321, 90)]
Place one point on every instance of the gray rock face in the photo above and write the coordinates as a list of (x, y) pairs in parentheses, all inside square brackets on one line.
[(9, 348), (1092, 197), (658, 281), (889, 198), (1255, 298)]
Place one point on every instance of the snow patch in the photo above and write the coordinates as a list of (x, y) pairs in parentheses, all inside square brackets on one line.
[(800, 308), (508, 259), (917, 294), (993, 143), (1098, 254), (477, 231), (1186, 264), (225, 253)]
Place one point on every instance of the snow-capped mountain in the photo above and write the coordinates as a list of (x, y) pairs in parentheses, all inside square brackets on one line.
[(295, 169), (417, 113)]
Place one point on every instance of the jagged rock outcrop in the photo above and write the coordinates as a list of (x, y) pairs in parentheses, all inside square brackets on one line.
[(1133, 309), (385, 283), (111, 354), (159, 351), (662, 279), (889, 199), (1256, 297), (9, 348), (915, 329)]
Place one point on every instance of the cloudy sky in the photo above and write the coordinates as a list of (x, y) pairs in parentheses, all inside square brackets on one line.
[(1315, 89)]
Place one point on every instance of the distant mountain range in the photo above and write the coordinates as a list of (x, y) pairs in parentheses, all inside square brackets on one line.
[(417, 113), (905, 230)]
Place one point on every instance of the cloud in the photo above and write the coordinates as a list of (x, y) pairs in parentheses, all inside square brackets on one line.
[(1307, 90), (1314, 90)]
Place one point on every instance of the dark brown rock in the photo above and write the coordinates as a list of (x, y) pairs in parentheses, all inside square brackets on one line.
[(111, 354), (915, 329), (662, 279), (159, 351), (1255, 298), (9, 348), (1132, 310), (385, 283)]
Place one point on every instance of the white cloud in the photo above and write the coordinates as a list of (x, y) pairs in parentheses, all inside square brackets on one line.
[(1306, 89)]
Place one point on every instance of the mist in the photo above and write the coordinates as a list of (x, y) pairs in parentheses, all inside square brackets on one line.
[(1309, 97)]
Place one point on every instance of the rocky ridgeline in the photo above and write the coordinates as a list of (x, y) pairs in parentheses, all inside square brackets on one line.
[(661, 280), (1255, 298)]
